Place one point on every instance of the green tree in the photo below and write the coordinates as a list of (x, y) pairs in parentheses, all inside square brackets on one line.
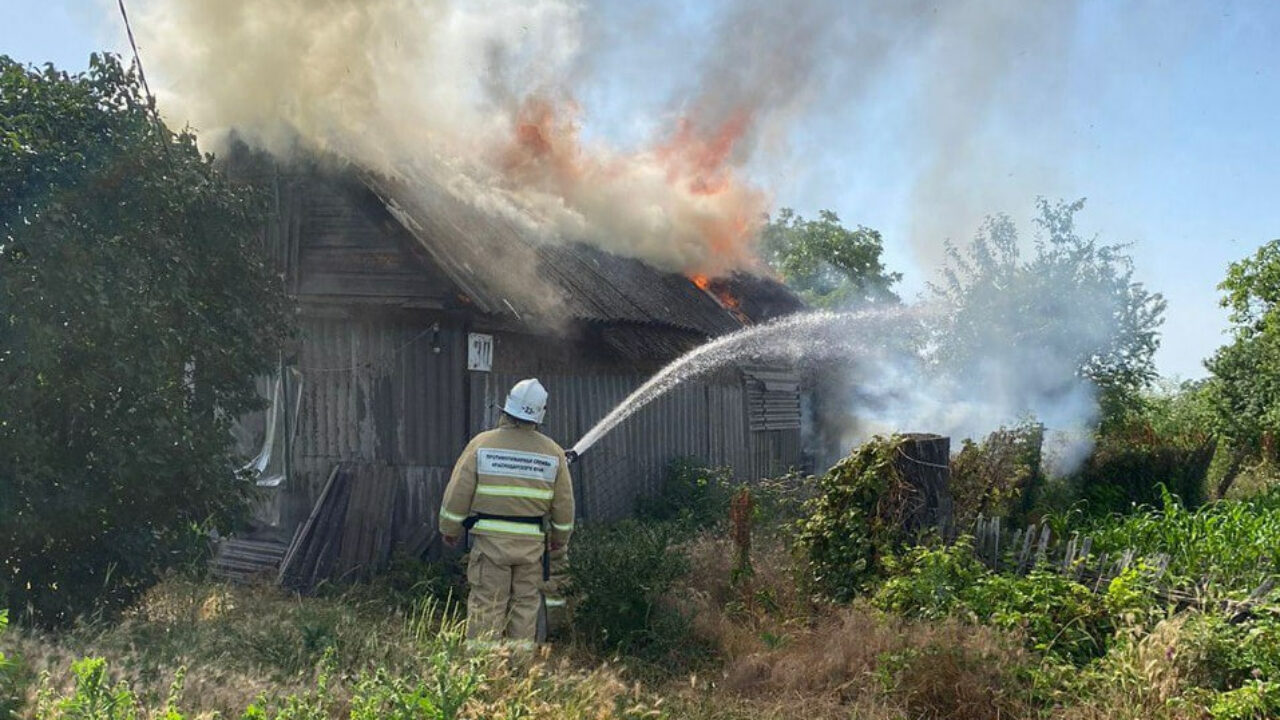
[(829, 265), (1071, 310), (135, 308), (1244, 389)]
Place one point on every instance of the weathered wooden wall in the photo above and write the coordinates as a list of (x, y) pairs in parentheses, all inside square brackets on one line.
[(379, 388), (388, 390), (703, 420)]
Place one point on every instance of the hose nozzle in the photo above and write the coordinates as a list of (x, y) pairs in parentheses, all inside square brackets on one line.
[(571, 456)]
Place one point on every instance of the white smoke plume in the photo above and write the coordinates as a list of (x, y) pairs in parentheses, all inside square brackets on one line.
[(484, 93), (1010, 337), (480, 93)]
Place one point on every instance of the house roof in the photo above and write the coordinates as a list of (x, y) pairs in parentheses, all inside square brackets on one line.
[(504, 271)]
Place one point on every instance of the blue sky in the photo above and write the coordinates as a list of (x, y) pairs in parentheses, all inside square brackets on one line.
[(1166, 116)]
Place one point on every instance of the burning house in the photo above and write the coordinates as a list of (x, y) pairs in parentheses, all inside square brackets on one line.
[(419, 311)]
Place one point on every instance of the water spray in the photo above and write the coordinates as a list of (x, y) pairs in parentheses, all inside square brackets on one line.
[(814, 336)]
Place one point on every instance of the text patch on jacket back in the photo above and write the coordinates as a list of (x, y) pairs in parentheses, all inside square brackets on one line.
[(517, 464)]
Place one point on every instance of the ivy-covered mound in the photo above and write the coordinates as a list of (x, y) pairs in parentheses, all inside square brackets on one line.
[(857, 518)]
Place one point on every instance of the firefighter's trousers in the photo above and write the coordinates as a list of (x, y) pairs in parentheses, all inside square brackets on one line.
[(553, 590), (505, 590)]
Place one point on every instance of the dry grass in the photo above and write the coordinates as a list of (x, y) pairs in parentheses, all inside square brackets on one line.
[(1146, 679), (759, 612), (862, 659), (237, 644), (786, 655), (244, 645), (778, 654)]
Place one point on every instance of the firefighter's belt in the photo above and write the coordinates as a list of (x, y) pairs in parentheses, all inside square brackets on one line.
[(526, 519)]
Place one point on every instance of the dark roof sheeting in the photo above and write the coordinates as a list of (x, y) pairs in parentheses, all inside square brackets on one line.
[(504, 271)]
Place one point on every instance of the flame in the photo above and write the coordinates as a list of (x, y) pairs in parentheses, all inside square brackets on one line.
[(680, 204), (702, 162), (721, 293)]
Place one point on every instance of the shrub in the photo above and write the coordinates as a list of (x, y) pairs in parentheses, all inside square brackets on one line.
[(10, 687), (780, 503), (1058, 617), (138, 307), (1225, 656), (441, 684), (1255, 700), (855, 521), (94, 697), (619, 575), (383, 696), (692, 495), (1130, 468), (930, 583), (998, 477)]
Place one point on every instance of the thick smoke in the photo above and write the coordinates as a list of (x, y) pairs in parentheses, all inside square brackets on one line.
[(475, 94), (482, 97)]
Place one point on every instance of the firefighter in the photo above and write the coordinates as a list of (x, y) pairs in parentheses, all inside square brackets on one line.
[(511, 488)]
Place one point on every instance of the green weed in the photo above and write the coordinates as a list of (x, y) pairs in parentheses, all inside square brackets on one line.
[(1225, 546), (620, 575)]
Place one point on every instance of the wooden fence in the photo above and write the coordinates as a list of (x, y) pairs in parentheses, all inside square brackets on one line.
[(1035, 547)]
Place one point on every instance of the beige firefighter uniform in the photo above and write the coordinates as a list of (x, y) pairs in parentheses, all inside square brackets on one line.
[(506, 483)]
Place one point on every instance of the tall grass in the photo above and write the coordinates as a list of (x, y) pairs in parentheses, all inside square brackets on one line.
[(358, 660)]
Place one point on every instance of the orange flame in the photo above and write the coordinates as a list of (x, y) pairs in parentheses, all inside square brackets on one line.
[(718, 291), (702, 163), (708, 216)]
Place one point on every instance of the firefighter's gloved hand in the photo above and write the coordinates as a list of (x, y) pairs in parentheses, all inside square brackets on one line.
[(450, 540), (554, 546)]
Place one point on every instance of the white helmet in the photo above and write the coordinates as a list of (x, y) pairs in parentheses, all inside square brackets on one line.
[(527, 401)]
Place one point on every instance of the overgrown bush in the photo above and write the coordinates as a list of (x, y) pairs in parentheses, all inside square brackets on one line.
[(781, 502), (692, 495), (1226, 656), (620, 575), (1059, 617), (998, 477), (1129, 468), (855, 521), (95, 697), (137, 308), (11, 698), (381, 695)]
